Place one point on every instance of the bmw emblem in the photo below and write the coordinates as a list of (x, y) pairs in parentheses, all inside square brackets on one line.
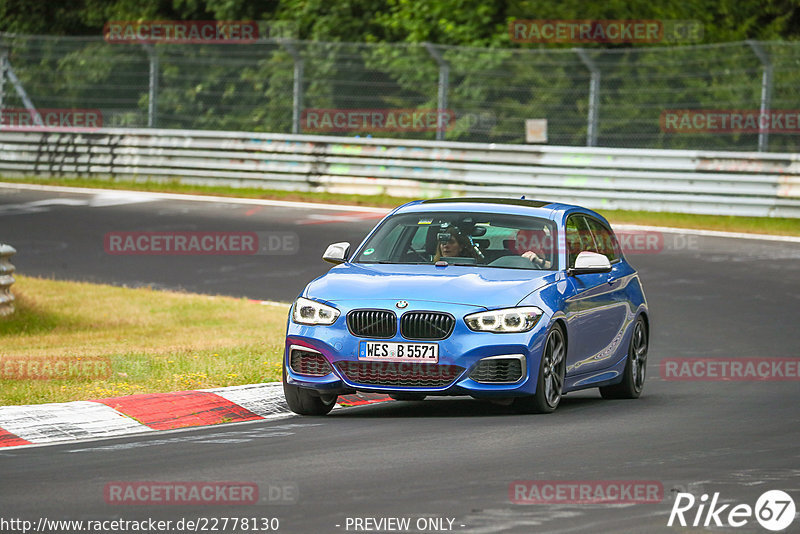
[(401, 304)]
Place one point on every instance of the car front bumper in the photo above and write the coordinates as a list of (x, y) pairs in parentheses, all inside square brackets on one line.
[(456, 373)]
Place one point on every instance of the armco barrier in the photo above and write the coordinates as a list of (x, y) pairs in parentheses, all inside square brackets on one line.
[(6, 279), (688, 181)]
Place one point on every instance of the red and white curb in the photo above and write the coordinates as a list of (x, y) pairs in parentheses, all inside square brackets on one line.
[(133, 414)]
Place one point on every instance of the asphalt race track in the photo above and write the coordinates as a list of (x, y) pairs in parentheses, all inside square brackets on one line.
[(442, 458), (62, 236)]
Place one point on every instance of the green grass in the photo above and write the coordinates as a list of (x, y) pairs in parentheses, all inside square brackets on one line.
[(174, 186), (154, 341), (762, 225), (726, 223)]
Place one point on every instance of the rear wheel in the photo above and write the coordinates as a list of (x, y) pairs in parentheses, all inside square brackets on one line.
[(305, 401), (408, 396), (635, 368), (550, 383)]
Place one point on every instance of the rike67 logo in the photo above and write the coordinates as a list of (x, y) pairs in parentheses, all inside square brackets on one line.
[(774, 511)]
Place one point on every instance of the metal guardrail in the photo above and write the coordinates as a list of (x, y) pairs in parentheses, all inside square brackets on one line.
[(686, 181), (6, 279)]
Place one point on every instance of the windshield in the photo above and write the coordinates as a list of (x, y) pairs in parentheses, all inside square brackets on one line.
[(484, 240)]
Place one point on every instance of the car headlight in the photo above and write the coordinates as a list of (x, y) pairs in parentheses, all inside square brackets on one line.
[(504, 321), (307, 311)]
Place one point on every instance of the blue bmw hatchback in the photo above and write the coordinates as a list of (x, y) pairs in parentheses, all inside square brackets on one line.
[(518, 301)]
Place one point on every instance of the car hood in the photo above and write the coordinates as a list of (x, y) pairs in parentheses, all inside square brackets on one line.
[(474, 286)]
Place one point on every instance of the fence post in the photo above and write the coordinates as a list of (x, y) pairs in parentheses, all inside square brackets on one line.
[(3, 61), (594, 97), (12, 77), (766, 91), (6, 279), (297, 87), (152, 91), (444, 83)]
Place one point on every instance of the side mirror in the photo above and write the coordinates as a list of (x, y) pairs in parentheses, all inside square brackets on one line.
[(337, 253), (589, 263)]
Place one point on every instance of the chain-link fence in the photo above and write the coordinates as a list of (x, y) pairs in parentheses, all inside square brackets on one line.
[(601, 97)]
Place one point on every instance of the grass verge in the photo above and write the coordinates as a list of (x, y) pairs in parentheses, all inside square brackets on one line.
[(154, 341), (758, 225)]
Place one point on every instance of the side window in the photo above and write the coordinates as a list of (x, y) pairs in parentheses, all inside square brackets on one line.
[(579, 238), (606, 244), (573, 236), (573, 241)]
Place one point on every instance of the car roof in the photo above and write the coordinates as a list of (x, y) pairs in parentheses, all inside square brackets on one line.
[(516, 206)]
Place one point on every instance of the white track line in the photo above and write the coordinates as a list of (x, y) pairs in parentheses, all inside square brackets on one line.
[(342, 207), (708, 233), (195, 198)]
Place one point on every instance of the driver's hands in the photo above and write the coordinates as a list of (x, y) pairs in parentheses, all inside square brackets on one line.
[(531, 255)]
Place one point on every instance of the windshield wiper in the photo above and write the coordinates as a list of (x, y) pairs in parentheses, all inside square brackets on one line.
[(445, 263)]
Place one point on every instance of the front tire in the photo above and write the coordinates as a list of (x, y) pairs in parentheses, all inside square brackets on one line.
[(550, 382), (306, 402), (635, 368)]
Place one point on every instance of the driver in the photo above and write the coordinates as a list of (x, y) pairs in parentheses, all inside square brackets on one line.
[(535, 245), (458, 245)]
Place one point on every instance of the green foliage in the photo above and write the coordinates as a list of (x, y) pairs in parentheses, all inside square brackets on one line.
[(451, 22), (494, 84)]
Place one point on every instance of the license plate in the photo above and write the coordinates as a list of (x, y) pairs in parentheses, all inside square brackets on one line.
[(399, 352)]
